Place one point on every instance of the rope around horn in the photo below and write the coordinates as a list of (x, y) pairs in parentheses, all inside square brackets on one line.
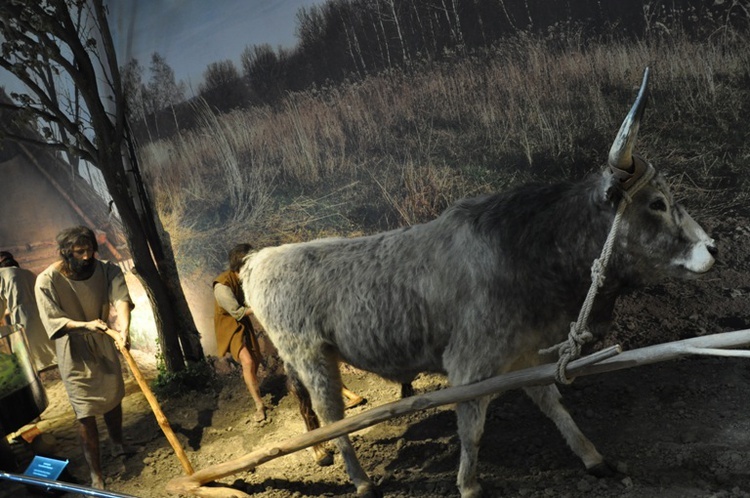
[(579, 334)]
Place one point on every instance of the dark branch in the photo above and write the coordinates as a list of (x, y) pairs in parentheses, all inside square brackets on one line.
[(56, 146), (50, 111)]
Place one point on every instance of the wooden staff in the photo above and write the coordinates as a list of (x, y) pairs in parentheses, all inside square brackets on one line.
[(161, 419), (607, 360)]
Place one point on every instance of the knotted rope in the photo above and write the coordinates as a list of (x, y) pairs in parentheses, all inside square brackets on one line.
[(579, 334)]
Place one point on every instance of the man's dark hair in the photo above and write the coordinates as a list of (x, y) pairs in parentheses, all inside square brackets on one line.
[(75, 236), (7, 260), (237, 256)]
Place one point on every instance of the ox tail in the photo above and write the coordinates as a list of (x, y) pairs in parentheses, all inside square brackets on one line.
[(294, 385)]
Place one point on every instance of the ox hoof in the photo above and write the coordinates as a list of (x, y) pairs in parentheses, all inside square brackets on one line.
[(604, 469), (323, 457), (473, 491), (369, 491)]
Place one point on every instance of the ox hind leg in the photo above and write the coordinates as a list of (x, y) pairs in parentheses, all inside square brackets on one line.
[(322, 378), (547, 398), (470, 417), (323, 457)]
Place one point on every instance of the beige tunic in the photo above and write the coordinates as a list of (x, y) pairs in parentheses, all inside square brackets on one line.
[(17, 293), (88, 361)]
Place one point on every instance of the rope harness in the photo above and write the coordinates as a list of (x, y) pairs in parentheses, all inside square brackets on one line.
[(579, 334)]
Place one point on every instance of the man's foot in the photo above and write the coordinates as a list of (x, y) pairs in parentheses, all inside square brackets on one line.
[(260, 414), (123, 450), (97, 482), (353, 401)]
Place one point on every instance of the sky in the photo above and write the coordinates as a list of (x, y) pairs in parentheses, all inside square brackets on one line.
[(191, 34)]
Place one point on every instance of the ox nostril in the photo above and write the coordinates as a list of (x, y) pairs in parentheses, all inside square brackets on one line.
[(713, 250)]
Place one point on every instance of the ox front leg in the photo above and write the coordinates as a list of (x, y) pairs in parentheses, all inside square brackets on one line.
[(547, 398), (470, 417), (332, 412), (365, 487)]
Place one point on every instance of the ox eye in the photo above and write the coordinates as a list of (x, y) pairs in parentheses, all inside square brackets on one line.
[(658, 205)]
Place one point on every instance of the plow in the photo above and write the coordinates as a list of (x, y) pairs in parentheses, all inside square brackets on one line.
[(727, 344)]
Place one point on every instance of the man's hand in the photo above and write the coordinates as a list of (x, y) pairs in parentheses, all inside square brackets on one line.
[(97, 325), (122, 339), (125, 339)]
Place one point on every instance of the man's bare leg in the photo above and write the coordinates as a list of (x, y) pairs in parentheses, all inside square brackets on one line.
[(113, 420), (250, 375), (89, 434)]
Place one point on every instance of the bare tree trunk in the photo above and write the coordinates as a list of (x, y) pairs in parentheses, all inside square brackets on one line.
[(355, 51), (161, 249), (144, 266), (434, 21), (386, 46), (457, 22), (404, 54), (528, 13), (190, 338), (358, 49), (507, 15), (452, 24), (480, 21), (421, 29)]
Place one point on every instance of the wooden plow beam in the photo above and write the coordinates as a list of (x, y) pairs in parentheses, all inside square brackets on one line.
[(607, 360)]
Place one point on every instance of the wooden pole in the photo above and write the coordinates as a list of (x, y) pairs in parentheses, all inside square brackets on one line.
[(604, 361), (161, 419)]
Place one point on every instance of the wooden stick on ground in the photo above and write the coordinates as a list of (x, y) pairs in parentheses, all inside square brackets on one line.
[(161, 419), (603, 361)]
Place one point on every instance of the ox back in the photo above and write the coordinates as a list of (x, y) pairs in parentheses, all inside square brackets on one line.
[(507, 270), (473, 293)]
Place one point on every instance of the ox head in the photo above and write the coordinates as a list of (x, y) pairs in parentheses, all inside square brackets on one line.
[(658, 237)]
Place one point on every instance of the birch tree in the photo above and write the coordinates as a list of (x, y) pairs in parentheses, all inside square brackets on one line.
[(70, 42)]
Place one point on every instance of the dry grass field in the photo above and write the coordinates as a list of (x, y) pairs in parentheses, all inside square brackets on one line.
[(398, 147)]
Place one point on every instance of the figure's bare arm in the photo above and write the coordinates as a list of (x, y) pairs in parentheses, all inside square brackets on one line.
[(123, 321)]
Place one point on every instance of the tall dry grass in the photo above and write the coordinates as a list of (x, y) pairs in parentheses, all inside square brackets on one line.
[(397, 148)]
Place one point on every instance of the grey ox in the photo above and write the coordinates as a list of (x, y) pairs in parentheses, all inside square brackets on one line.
[(474, 293)]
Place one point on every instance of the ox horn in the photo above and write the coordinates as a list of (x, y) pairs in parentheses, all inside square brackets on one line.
[(621, 152)]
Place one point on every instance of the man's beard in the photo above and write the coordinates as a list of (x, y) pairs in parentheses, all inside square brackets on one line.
[(78, 269)]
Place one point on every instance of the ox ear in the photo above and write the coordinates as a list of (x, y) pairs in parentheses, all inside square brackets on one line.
[(610, 187)]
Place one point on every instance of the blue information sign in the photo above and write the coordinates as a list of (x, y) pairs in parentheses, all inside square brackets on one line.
[(46, 468)]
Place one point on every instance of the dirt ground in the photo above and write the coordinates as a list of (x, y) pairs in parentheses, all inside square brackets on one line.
[(674, 429)]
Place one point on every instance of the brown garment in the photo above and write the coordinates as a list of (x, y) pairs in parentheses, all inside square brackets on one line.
[(232, 334)]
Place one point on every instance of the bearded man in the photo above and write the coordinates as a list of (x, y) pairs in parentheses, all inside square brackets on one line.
[(74, 296)]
